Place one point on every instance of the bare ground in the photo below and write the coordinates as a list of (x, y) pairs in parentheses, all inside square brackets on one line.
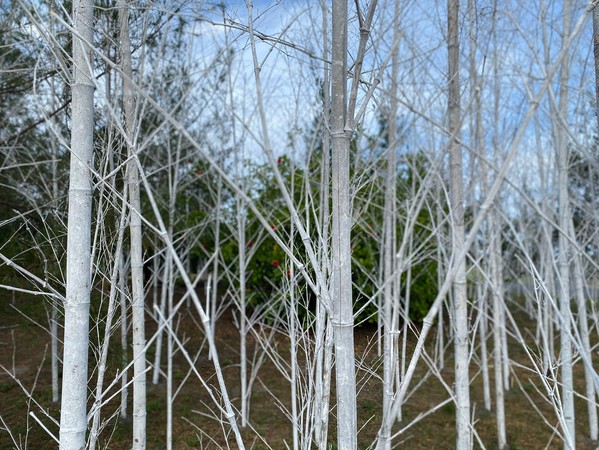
[(25, 360)]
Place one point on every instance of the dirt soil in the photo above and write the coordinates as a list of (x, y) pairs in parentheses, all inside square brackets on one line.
[(25, 392)]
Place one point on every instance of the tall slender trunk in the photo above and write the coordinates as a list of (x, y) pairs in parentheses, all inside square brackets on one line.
[(476, 124), (321, 349), (215, 264), (343, 317), (563, 257), (483, 334), (54, 305), (498, 325), (583, 324), (440, 326), (243, 361), (388, 311), (169, 360), (166, 270), (124, 346), (462, 384), (73, 417), (293, 347), (596, 53), (494, 236), (137, 287)]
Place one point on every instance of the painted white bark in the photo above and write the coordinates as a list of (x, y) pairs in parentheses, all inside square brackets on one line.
[(73, 417), (583, 324), (293, 346), (483, 334), (124, 331), (137, 288), (476, 124), (55, 200), (583, 320), (494, 236), (243, 320), (343, 318), (322, 350), (388, 312), (563, 257), (596, 54), (498, 325), (169, 363), (460, 300), (440, 347), (215, 264), (166, 271)]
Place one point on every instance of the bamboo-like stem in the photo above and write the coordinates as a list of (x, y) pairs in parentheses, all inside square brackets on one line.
[(563, 257), (342, 318), (73, 418), (589, 373), (124, 346), (460, 300), (389, 311), (498, 318), (322, 348), (137, 283)]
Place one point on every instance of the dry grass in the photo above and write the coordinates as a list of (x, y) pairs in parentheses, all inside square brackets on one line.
[(193, 429)]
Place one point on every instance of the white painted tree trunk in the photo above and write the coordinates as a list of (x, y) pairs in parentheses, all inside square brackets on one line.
[(483, 334), (137, 287), (591, 399), (494, 236), (388, 311), (243, 362), (563, 257), (124, 331), (169, 361), (476, 124), (596, 53), (54, 350), (343, 318), (73, 417), (440, 347), (215, 265), (498, 325), (166, 271), (321, 349), (589, 373), (460, 300), (54, 305), (293, 344)]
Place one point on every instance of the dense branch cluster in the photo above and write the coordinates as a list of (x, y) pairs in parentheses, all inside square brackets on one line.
[(376, 216)]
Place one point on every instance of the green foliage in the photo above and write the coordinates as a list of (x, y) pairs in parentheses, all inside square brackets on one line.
[(367, 239), (423, 289), (268, 268)]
